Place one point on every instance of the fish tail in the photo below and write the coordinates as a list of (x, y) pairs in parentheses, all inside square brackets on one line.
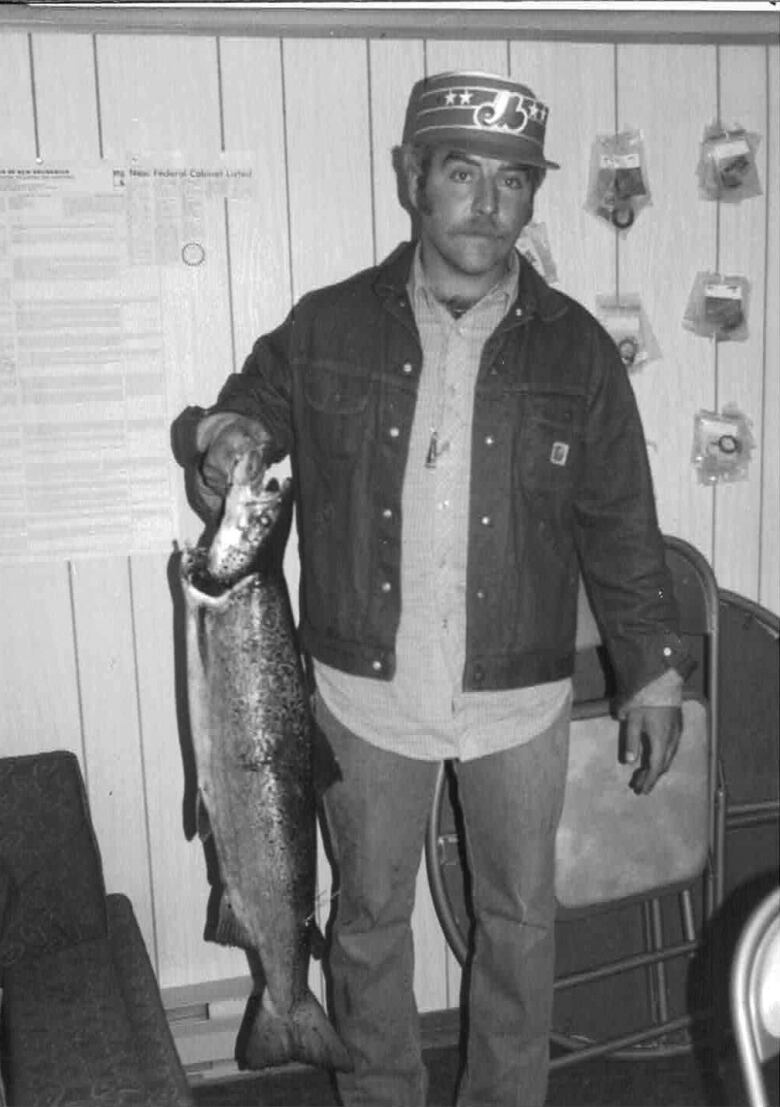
[(305, 1035)]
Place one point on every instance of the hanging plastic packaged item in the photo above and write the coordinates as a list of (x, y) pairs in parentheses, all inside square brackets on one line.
[(727, 164), (628, 326), (534, 245), (717, 307), (722, 445), (618, 186)]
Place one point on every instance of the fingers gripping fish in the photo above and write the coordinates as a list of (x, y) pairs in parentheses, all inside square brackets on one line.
[(253, 739)]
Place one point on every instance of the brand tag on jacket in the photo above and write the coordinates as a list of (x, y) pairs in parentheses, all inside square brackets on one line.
[(559, 453)]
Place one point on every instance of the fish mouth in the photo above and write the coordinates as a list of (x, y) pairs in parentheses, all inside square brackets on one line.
[(213, 569)]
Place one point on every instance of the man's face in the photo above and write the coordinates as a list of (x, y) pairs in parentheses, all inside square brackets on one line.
[(472, 209)]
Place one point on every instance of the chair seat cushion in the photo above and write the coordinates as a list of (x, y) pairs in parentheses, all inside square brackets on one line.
[(613, 844)]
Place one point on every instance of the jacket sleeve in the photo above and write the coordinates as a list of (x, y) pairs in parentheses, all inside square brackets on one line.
[(260, 392), (620, 545)]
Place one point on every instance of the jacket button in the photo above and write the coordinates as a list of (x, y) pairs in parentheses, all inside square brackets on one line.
[(480, 593), (486, 521), (489, 440), (387, 513), (376, 666), (394, 432), (386, 586), (407, 367)]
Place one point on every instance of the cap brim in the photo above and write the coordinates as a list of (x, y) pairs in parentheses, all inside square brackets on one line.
[(507, 147)]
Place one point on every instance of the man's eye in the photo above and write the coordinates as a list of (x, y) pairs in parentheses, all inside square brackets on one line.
[(516, 183), (460, 174)]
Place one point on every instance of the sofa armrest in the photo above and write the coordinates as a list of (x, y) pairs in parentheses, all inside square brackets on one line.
[(48, 845)]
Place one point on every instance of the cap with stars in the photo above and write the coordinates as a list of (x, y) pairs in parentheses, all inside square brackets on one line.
[(491, 115)]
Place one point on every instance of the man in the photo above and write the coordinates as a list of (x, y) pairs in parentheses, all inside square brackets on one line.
[(463, 440)]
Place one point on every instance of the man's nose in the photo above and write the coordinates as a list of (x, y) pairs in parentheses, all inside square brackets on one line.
[(486, 196)]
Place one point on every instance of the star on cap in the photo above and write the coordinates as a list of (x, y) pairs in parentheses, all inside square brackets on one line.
[(465, 97), (450, 97)]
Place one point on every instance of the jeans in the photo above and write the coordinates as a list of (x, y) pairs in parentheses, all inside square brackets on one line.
[(376, 817)]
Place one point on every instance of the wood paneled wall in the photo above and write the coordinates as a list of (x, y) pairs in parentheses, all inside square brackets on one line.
[(87, 647)]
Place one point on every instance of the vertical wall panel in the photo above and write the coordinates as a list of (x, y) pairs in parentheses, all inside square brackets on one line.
[(253, 107), (177, 864), (68, 123), (39, 691), (329, 172), (395, 66), (39, 695), (161, 96), (112, 753), (487, 56), (768, 424), (17, 124), (669, 243), (577, 83), (68, 129), (740, 365)]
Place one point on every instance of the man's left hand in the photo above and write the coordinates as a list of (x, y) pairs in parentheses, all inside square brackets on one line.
[(661, 728)]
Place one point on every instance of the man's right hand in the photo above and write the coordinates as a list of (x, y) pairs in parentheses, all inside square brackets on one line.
[(223, 437)]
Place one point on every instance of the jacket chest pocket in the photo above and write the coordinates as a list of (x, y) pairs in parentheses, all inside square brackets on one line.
[(335, 409), (549, 444)]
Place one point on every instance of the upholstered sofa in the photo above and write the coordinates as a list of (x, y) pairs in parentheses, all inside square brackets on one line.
[(81, 1019)]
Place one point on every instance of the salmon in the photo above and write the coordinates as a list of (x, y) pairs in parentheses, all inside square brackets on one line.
[(253, 739)]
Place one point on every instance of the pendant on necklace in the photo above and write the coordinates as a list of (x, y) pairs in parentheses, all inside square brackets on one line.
[(430, 457)]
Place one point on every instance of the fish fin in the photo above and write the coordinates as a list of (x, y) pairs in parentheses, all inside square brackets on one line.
[(325, 768), (316, 941), (230, 931), (305, 1035), (202, 820)]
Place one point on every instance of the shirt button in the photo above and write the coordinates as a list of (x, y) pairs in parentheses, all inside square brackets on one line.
[(394, 432), (407, 367), (518, 312), (667, 651)]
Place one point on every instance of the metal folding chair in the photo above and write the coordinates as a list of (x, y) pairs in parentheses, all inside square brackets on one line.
[(754, 995), (644, 868)]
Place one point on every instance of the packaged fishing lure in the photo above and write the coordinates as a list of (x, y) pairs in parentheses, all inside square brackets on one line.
[(717, 307), (629, 328), (727, 164), (722, 445), (534, 245), (618, 185)]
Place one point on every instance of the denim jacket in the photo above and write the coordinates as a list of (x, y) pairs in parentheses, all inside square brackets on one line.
[(560, 482)]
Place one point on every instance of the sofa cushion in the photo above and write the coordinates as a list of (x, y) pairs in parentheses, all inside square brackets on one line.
[(9, 898), (85, 1026), (48, 845)]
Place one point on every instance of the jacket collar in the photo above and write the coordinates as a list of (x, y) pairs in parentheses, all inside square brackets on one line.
[(534, 295)]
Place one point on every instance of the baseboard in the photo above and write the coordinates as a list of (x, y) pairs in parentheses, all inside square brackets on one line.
[(205, 1019)]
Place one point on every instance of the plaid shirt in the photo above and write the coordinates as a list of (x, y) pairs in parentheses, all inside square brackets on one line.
[(422, 712)]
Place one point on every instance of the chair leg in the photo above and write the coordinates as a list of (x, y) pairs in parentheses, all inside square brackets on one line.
[(660, 968)]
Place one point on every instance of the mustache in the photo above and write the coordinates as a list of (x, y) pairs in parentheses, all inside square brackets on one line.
[(481, 228)]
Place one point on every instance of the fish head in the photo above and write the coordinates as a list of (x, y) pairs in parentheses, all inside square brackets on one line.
[(253, 508)]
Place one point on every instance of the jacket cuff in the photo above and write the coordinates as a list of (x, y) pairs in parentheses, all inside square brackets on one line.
[(665, 691)]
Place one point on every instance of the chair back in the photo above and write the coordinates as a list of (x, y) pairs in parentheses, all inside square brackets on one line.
[(754, 995)]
